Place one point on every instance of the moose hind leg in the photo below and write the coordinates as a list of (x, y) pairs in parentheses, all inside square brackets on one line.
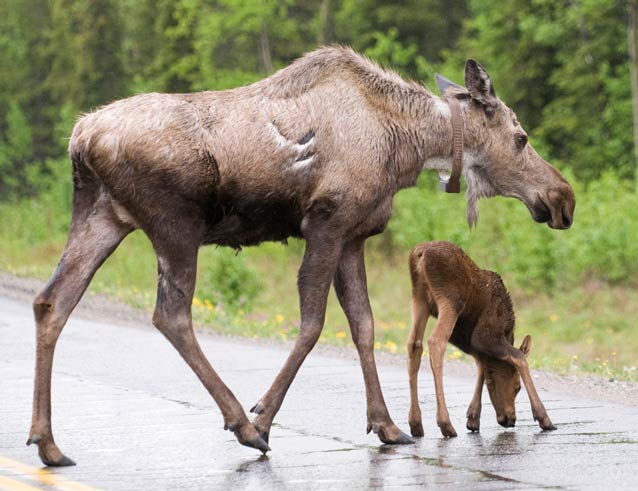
[(351, 288), (420, 315), (176, 284), (474, 409), (93, 237)]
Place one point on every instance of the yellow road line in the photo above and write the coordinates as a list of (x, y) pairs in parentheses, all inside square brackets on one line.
[(13, 485), (44, 477)]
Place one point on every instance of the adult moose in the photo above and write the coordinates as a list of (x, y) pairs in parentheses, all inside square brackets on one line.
[(317, 151)]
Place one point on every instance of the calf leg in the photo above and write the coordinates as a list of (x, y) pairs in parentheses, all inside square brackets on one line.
[(517, 358), (176, 284), (94, 235), (315, 275), (436, 344), (474, 410), (420, 315), (351, 288)]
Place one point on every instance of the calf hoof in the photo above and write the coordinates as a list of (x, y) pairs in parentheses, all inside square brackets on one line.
[(390, 434), (248, 436), (257, 408), (262, 424), (473, 424), (417, 429), (447, 430), (49, 452)]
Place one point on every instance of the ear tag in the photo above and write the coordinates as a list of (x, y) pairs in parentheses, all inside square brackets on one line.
[(444, 179)]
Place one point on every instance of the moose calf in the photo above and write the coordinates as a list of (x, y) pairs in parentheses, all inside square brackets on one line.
[(474, 312)]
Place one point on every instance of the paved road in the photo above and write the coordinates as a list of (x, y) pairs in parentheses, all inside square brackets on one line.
[(134, 417)]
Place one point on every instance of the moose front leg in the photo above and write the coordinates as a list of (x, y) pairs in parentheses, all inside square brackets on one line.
[(316, 272), (517, 358), (351, 288), (474, 409), (436, 344)]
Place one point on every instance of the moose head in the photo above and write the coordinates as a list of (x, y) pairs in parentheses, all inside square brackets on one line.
[(499, 160)]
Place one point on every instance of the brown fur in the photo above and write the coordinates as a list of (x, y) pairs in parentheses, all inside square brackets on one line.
[(474, 312), (317, 151)]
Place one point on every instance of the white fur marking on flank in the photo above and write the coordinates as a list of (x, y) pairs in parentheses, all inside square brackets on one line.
[(301, 164), (300, 148), (279, 138)]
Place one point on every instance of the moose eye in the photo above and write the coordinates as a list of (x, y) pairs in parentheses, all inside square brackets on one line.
[(521, 140), (518, 389)]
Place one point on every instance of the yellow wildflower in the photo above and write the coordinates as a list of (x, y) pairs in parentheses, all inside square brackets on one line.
[(197, 302), (390, 345), (455, 355), (340, 335), (553, 317), (279, 318)]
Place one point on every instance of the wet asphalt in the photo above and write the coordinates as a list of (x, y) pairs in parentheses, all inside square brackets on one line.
[(128, 410)]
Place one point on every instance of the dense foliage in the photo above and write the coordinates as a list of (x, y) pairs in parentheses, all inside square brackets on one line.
[(563, 65)]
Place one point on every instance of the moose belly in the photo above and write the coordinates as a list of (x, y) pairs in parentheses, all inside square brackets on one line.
[(243, 223)]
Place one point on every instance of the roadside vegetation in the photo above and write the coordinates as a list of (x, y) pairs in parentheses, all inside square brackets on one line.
[(566, 72)]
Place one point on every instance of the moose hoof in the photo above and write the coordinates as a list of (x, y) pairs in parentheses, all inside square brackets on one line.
[(447, 430), (546, 424), (248, 436), (417, 429), (473, 424), (390, 435), (49, 452), (257, 408)]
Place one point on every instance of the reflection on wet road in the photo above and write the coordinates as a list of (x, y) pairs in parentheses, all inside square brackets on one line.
[(132, 415)]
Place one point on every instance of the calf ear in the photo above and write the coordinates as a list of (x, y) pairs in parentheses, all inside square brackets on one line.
[(526, 345), (444, 84), (478, 83)]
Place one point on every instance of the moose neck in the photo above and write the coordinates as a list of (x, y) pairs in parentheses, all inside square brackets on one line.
[(425, 141)]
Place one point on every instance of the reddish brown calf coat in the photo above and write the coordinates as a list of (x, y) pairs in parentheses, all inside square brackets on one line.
[(474, 312)]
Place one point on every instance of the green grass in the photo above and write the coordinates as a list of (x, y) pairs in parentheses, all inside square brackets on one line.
[(580, 319)]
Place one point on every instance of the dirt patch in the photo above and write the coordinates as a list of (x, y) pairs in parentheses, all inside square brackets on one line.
[(104, 308)]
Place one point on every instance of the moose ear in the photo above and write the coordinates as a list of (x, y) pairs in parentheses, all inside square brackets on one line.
[(478, 82), (444, 84), (526, 345)]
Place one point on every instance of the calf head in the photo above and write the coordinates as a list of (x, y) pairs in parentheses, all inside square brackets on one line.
[(503, 385), (499, 160)]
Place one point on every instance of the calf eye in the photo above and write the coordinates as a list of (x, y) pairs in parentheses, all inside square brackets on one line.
[(521, 140)]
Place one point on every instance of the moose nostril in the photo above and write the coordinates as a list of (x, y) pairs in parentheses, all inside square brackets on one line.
[(567, 220)]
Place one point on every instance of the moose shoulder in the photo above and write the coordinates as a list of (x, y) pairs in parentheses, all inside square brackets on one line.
[(317, 151)]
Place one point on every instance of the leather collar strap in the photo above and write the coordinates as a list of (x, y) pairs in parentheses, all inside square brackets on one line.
[(453, 185)]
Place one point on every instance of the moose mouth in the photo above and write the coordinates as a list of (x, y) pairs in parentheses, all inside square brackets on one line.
[(557, 216)]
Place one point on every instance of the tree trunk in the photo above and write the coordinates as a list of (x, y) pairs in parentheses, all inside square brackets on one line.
[(633, 63), (264, 46), (326, 32)]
